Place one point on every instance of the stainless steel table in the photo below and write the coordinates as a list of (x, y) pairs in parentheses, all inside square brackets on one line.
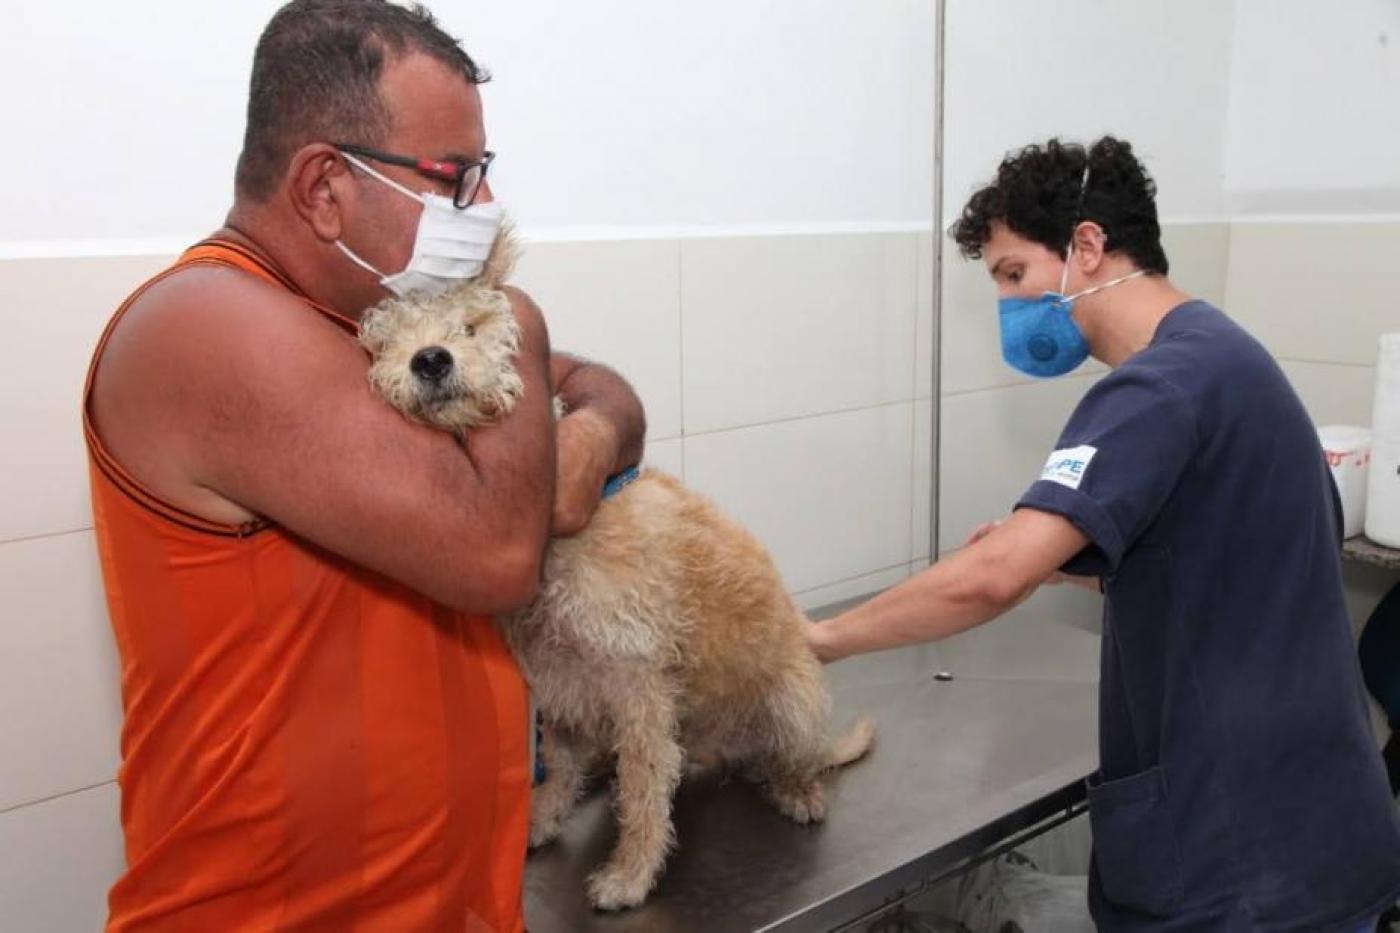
[(958, 766)]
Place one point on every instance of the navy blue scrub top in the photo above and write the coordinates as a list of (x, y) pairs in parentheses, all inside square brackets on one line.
[(1240, 787)]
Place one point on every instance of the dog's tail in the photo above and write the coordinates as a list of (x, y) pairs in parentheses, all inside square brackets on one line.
[(853, 745)]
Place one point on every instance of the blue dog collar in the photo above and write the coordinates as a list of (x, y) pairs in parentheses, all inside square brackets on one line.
[(618, 481)]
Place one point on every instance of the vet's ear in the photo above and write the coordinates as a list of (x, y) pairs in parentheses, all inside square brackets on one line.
[(501, 262)]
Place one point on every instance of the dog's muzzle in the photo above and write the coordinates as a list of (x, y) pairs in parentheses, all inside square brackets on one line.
[(431, 364)]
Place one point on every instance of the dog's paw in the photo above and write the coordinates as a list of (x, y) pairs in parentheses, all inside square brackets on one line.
[(612, 888), (548, 814), (543, 832), (801, 803)]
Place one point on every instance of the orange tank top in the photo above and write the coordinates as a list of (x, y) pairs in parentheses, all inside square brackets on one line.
[(306, 744)]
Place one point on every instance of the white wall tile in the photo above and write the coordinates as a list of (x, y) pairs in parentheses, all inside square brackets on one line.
[(829, 496), (1314, 290), (1334, 393), (618, 302), (54, 311), (668, 456), (863, 585), (993, 445), (791, 326), (59, 674), (922, 495), (57, 861), (1199, 255), (927, 247)]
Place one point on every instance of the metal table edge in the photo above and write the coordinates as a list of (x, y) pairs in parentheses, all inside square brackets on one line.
[(842, 907)]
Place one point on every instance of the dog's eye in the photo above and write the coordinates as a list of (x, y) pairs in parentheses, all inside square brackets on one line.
[(467, 330)]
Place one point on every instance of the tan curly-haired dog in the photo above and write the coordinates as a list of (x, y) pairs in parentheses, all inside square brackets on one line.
[(662, 634)]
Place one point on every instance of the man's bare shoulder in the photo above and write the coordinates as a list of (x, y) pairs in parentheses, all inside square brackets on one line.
[(200, 302), (196, 346)]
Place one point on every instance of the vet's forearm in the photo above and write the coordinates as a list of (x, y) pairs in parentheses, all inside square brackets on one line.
[(953, 595), (590, 387)]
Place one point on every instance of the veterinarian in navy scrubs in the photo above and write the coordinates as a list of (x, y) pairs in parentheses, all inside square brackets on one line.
[(1240, 787)]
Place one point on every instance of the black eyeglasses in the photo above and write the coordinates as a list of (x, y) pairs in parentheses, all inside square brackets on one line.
[(466, 177)]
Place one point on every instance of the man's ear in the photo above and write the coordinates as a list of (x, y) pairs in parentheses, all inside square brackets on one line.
[(318, 182), (1089, 240)]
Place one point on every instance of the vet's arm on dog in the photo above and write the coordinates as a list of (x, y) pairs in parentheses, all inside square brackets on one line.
[(971, 586), (271, 412), (602, 432)]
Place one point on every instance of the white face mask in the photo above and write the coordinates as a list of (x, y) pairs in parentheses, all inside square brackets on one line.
[(451, 244)]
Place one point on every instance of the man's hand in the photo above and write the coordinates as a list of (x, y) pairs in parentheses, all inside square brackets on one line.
[(587, 449), (601, 433)]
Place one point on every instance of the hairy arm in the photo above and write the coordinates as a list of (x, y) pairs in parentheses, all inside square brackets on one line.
[(965, 589), (265, 406), (602, 432)]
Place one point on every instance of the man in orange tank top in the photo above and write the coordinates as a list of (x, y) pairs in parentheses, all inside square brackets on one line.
[(322, 727)]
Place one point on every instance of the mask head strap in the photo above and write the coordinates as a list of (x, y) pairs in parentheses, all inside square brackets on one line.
[(1078, 215), (353, 160)]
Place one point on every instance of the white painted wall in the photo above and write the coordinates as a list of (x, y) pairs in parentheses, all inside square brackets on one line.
[(1021, 71), (1314, 123), (123, 121)]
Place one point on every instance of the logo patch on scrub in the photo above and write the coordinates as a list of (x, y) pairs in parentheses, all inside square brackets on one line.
[(1067, 466)]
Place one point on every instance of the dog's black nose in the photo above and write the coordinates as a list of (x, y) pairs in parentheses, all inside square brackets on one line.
[(431, 363)]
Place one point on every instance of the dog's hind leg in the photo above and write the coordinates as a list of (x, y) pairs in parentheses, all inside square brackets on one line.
[(649, 762), (553, 801), (792, 751)]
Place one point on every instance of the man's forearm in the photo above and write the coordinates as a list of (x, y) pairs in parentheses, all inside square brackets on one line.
[(605, 395)]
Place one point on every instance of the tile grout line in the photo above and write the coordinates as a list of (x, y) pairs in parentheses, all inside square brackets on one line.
[(1299, 359), (1018, 385), (791, 418), (52, 797), (869, 573), (46, 534)]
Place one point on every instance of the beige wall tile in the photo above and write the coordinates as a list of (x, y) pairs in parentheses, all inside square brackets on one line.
[(992, 447), (1333, 393), (53, 313), (829, 495), (863, 585), (58, 859), (1199, 255), (1316, 291), (60, 680), (791, 326), (616, 301)]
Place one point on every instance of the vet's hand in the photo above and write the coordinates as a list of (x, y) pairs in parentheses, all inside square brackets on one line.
[(586, 450), (980, 532), (817, 639)]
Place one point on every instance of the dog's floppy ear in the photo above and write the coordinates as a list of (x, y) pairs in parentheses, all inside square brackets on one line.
[(375, 327), (501, 262)]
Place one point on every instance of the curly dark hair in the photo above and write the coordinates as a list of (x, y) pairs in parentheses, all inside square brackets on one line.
[(316, 77), (1037, 195)]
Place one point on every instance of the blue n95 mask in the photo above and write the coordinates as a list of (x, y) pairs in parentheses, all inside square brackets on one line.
[(1039, 336)]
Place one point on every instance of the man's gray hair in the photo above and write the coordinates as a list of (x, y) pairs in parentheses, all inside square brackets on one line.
[(316, 79)]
